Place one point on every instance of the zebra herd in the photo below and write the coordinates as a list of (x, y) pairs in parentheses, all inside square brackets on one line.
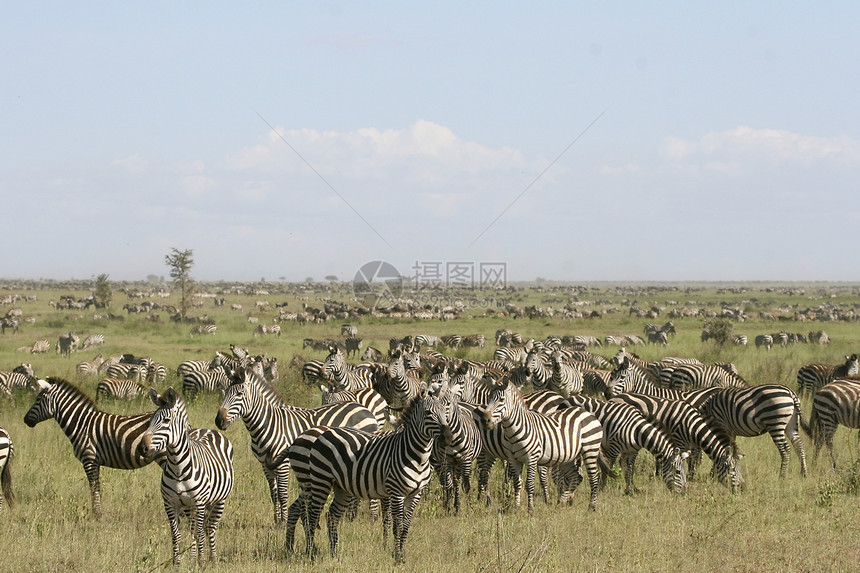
[(558, 412)]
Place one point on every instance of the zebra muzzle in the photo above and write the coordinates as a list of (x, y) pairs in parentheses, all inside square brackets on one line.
[(221, 419)]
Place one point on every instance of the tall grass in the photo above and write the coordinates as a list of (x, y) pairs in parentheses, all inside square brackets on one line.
[(793, 524)]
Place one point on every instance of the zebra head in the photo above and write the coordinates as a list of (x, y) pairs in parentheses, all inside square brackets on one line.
[(236, 399), (439, 382), (45, 406), (168, 423), (500, 404), (675, 470), (619, 381), (334, 365), (431, 416)]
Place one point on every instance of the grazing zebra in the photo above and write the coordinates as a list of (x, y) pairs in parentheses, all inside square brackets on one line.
[(263, 329), (765, 340), (92, 340), (274, 425), (126, 370), (427, 340), (812, 377), (191, 366), (214, 380), (203, 329), (21, 378), (566, 439), (341, 375), (819, 337), (689, 430), (474, 340), (749, 412), (566, 378), (348, 330), (197, 476), (84, 369), (98, 438), (625, 432), (394, 467), (40, 347), (739, 339), (67, 344), (7, 451), (836, 403), (658, 337), (120, 389)]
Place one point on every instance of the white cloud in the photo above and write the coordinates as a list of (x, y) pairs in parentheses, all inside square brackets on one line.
[(134, 164), (196, 185), (728, 151)]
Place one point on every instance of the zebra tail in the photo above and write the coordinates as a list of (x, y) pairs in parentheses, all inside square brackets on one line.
[(605, 467), (6, 478), (811, 429), (803, 424)]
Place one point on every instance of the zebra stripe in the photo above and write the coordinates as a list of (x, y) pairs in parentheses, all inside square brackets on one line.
[(120, 389), (454, 461), (84, 369), (197, 476), (765, 340), (213, 380), (394, 467), (812, 377), (273, 426), (770, 408), (625, 432), (341, 375), (98, 438), (401, 384), (367, 397), (525, 438), (836, 403), (7, 452), (566, 378), (698, 376)]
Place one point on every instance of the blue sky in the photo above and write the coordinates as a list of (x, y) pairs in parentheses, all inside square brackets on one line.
[(724, 140)]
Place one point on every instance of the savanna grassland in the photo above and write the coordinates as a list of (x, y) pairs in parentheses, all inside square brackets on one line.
[(795, 524)]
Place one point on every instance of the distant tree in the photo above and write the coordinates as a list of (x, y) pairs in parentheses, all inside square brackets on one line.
[(153, 278), (180, 263), (720, 330), (102, 292), (331, 278), (309, 280)]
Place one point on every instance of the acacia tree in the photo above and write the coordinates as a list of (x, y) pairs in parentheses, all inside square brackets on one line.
[(180, 263), (102, 292)]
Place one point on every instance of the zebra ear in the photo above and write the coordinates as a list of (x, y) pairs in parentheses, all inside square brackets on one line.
[(153, 395), (170, 397), (43, 385)]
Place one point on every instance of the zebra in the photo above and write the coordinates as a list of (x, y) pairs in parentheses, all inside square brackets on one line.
[(367, 397), (625, 432), (566, 438), (341, 375), (401, 383), (539, 372), (352, 345), (273, 425), (566, 378), (84, 369), (658, 337), (696, 376), (120, 389), (836, 403), (203, 329), (197, 472), (21, 378), (818, 337), (739, 339), (348, 330), (40, 347), (394, 467), (263, 329), (372, 354), (98, 438), (213, 380), (749, 412), (92, 340), (127, 371), (689, 430), (7, 452), (473, 340), (7, 322), (765, 340), (812, 377), (428, 340), (67, 344)]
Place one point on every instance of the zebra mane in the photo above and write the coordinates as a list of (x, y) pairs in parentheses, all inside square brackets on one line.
[(67, 387), (265, 388)]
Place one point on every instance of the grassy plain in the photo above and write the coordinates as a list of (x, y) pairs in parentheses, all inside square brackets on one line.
[(794, 524)]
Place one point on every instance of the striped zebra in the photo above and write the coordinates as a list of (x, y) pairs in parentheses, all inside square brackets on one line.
[(341, 375), (818, 337), (211, 380), (191, 366), (263, 329), (273, 425), (21, 378), (538, 370), (7, 452), (7, 322), (749, 412), (812, 377), (372, 354), (566, 378), (352, 345), (739, 339), (625, 432), (120, 389), (84, 369), (474, 340), (454, 461), (126, 370), (566, 439), (401, 383), (765, 340), (197, 472), (514, 354), (836, 403), (689, 430), (658, 337), (92, 340), (367, 397), (98, 438), (67, 344), (697, 376), (394, 468), (202, 329)]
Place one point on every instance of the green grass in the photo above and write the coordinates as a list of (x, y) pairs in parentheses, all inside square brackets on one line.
[(794, 524)]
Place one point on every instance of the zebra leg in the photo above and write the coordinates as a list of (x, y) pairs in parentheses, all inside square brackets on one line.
[(272, 480), (175, 532), (794, 436), (781, 443), (485, 464), (408, 509), (693, 461), (373, 507), (827, 434), (397, 516), (386, 520), (531, 472), (544, 483), (315, 503), (282, 481), (590, 462), (352, 509), (212, 521), (629, 463), (92, 470), (338, 507), (298, 510)]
